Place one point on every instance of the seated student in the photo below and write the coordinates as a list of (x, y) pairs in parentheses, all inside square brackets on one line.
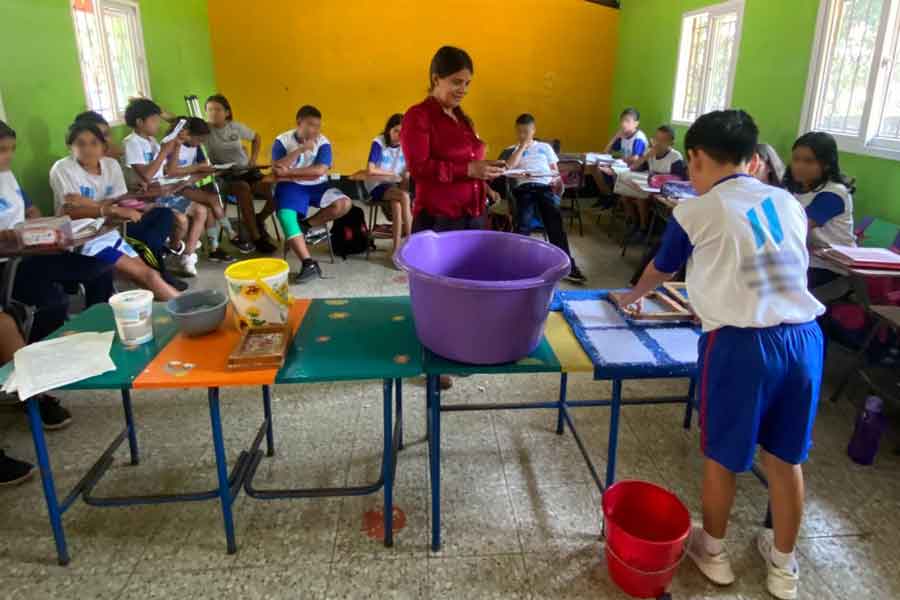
[(386, 158), (814, 177), (305, 154), (188, 159), (113, 148), (629, 143), (536, 193), (771, 168), (85, 185), (147, 159), (761, 352), (225, 146), (660, 159)]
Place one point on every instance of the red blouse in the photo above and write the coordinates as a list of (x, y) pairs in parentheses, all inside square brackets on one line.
[(438, 150)]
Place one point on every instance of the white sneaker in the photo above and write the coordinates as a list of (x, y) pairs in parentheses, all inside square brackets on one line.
[(781, 583), (189, 264), (716, 567)]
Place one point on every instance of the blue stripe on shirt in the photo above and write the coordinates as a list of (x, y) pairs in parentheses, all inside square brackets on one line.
[(375, 153), (323, 156), (278, 150), (824, 207), (675, 250)]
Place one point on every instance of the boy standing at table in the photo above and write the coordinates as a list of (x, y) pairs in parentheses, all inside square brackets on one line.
[(761, 352)]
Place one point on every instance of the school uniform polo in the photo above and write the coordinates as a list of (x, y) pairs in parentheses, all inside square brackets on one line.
[(299, 195), (635, 145), (190, 155), (387, 157), (831, 208), (143, 151), (670, 163), (761, 352), (13, 202)]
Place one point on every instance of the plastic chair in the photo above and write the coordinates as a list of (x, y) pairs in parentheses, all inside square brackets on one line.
[(313, 243), (572, 174)]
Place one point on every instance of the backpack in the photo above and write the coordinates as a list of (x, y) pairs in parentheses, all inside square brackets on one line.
[(500, 222), (350, 234)]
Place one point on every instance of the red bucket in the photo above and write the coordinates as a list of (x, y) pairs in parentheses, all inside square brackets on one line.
[(646, 529)]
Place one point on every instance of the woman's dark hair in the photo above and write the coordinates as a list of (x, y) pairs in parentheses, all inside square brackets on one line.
[(774, 164), (193, 125), (447, 61), (223, 102), (6, 131), (92, 116), (140, 108), (824, 148), (392, 122), (727, 136), (79, 127)]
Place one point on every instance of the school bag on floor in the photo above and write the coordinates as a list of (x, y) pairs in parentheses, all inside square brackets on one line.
[(350, 234)]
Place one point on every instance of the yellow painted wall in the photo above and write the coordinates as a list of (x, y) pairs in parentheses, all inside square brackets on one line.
[(361, 60)]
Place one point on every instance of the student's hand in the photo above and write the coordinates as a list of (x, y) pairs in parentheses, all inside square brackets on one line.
[(168, 147), (486, 169), (280, 170), (308, 145), (205, 169), (525, 145), (606, 170), (251, 163), (8, 237), (124, 214), (628, 301), (493, 196)]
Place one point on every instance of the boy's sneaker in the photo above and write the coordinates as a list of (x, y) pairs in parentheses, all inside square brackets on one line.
[(310, 270), (53, 414), (316, 235), (14, 472), (242, 246), (264, 245), (188, 264), (576, 276), (219, 255), (716, 567), (179, 284), (781, 583)]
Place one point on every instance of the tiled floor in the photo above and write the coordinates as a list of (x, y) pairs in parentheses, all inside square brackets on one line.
[(521, 517)]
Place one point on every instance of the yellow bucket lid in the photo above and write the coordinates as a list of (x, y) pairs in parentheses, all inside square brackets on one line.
[(256, 268)]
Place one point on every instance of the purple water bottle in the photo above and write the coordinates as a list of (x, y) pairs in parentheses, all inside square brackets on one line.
[(870, 424)]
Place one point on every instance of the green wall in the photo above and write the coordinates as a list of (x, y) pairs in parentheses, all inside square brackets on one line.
[(770, 81), (40, 78)]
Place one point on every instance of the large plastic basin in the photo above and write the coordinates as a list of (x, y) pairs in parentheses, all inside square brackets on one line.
[(481, 297)]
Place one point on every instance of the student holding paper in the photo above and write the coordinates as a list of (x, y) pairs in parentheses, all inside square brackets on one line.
[(533, 189)]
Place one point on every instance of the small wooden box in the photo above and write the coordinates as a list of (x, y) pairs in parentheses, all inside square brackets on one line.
[(260, 348)]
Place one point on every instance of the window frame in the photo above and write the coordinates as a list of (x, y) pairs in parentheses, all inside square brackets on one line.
[(867, 142), (729, 6), (137, 42)]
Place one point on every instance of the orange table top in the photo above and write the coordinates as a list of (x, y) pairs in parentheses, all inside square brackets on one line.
[(200, 362)]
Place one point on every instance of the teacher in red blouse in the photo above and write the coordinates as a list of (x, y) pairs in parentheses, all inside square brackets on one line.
[(443, 153)]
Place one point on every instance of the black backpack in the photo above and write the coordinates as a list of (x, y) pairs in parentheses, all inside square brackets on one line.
[(350, 234)]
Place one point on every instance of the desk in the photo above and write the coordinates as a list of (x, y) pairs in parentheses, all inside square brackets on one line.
[(858, 276)]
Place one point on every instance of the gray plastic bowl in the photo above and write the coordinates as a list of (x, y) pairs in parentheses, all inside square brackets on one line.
[(199, 312)]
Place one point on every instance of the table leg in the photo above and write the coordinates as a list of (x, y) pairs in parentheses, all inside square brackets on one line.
[(43, 458), (428, 394), (398, 384), (222, 469), (435, 435), (614, 408), (689, 408), (267, 411), (563, 384), (129, 423), (388, 465)]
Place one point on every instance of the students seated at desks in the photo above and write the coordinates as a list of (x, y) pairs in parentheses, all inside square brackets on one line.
[(535, 193), (815, 178), (147, 158), (225, 146), (305, 154), (113, 148), (761, 352), (659, 159), (629, 143), (770, 168), (188, 159), (386, 158), (86, 184)]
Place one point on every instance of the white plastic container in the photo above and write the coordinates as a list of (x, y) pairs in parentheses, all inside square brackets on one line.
[(133, 311)]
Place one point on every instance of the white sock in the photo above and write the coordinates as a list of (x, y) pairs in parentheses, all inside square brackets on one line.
[(713, 545), (225, 224), (213, 234), (783, 560)]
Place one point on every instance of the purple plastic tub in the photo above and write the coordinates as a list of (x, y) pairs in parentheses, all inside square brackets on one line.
[(481, 297)]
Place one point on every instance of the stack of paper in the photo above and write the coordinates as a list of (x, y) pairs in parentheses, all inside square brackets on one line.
[(73, 358), (871, 258), (82, 228), (178, 127)]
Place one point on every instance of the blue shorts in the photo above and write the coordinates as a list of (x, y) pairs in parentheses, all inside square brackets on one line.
[(176, 203), (378, 192), (759, 386), (296, 197)]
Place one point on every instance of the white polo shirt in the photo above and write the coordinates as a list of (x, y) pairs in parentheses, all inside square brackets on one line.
[(831, 208), (321, 154), (12, 201)]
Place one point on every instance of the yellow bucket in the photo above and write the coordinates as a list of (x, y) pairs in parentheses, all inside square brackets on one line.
[(258, 289)]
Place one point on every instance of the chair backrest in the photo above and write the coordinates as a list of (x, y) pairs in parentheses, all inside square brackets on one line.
[(572, 174)]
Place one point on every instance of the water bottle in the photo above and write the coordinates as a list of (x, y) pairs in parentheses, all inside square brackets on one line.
[(870, 424)]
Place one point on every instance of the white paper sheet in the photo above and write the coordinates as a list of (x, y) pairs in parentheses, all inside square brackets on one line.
[(178, 127), (73, 358), (526, 173), (173, 180), (86, 227), (679, 343), (597, 313), (223, 166), (620, 346)]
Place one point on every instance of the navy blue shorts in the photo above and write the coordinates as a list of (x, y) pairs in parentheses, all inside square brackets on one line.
[(378, 192), (759, 386), (299, 198)]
